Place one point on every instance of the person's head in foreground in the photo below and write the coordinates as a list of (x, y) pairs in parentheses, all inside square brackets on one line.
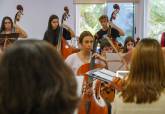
[(146, 79), (35, 80)]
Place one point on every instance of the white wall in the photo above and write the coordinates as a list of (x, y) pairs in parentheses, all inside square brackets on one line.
[(36, 14), (139, 19)]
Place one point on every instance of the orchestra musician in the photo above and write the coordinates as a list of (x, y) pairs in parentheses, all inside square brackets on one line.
[(52, 33), (33, 82), (76, 60), (7, 27), (143, 90), (105, 23), (129, 44)]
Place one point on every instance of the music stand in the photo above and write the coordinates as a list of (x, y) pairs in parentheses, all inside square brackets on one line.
[(6, 39), (115, 62)]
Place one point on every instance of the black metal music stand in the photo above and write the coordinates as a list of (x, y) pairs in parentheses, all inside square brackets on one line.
[(6, 39)]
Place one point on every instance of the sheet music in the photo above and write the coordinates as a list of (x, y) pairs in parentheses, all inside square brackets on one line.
[(114, 62), (11, 35), (108, 72), (122, 74), (102, 74)]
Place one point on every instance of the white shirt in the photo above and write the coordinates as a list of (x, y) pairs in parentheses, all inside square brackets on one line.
[(157, 107), (74, 62)]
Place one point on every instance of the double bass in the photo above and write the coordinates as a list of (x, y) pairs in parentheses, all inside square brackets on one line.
[(13, 36), (63, 47), (113, 17), (18, 14), (107, 90), (104, 91)]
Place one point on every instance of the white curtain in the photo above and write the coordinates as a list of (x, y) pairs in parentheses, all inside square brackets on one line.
[(123, 1), (89, 1), (102, 1)]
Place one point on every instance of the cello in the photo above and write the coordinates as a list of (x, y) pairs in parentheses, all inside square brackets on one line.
[(63, 47), (88, 103)]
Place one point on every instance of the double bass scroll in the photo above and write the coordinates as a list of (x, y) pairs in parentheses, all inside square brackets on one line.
[(18, 14), (113, 17), (17, 18)]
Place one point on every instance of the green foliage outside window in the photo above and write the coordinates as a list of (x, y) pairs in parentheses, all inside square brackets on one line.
[(90, 13), (89, 17), (157, 18)]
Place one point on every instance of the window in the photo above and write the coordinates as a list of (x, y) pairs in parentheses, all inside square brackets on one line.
[(124, 19), (87, 16), (156, 20)]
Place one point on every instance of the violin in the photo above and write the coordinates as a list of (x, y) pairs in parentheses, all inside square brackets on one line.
[(63, 47), (105, 90)]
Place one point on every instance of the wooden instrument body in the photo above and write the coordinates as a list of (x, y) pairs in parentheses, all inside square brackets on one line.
[(66, 49), (63, 47), (88, 95)]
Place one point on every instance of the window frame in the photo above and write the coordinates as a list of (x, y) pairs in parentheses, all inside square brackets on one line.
[(140, 17)]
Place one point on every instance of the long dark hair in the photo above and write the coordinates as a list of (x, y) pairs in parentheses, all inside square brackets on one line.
[(3, 23), (35, 80), (52, 35), (128, 39), (50, 20)]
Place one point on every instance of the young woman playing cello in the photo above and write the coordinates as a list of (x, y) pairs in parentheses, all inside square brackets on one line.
[(76, 60)]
